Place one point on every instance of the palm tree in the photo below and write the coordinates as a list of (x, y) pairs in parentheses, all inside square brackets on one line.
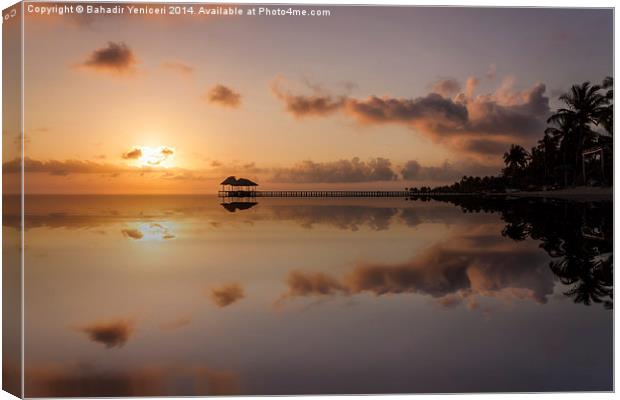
[(516, 158), (606, 117), (563, 132), (584, 106)]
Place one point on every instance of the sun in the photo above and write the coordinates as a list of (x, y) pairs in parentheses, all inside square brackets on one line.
[(146, 156)]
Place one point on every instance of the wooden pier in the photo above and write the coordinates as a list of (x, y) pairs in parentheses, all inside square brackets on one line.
[(313, 193)]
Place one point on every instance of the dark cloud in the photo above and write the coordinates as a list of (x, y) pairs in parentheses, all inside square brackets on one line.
[(226, 295), (446, 87), (111, 334), (354, 170), (115, 58), (132, 154), (224, 96), (178, 67), (433, 111)]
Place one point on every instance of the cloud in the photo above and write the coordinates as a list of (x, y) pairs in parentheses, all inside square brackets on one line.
[(412, 170), (60, 168), (505, 115), (450, 273), (227, 295), (316, 104), (115, 58), (110, 333), (354, 170), (224, 96), (132, 154), (446, 87), (178, 67)]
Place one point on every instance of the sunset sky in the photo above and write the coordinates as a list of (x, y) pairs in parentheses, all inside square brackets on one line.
[(365, 98)]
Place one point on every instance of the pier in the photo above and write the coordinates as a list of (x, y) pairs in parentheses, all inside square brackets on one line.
[(331, 193), (242, 188)]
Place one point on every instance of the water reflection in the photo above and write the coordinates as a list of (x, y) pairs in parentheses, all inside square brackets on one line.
[(296, 296), (577, 235), (238, 205)]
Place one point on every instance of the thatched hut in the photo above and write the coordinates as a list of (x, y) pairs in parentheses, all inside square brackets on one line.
[(238, 187)]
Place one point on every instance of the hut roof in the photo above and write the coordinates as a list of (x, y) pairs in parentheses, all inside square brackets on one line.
[(245, 182), (231, 180)]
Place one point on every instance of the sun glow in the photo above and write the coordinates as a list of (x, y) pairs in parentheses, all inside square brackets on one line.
[(145, 156)]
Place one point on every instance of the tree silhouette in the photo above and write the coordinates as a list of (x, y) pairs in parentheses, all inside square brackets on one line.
[(584, 106)]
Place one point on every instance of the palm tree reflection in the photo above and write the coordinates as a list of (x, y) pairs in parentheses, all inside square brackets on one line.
[(578, 236)]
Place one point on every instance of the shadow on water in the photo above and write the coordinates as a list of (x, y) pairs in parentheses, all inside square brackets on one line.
[(578, 236)]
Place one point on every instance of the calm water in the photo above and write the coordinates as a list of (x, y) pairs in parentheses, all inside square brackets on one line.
[(179, 295)]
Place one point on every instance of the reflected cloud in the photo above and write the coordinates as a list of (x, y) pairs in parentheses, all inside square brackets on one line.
[(226, 295), (132, 233), (452, 273), (149, 232), (113, 333)]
